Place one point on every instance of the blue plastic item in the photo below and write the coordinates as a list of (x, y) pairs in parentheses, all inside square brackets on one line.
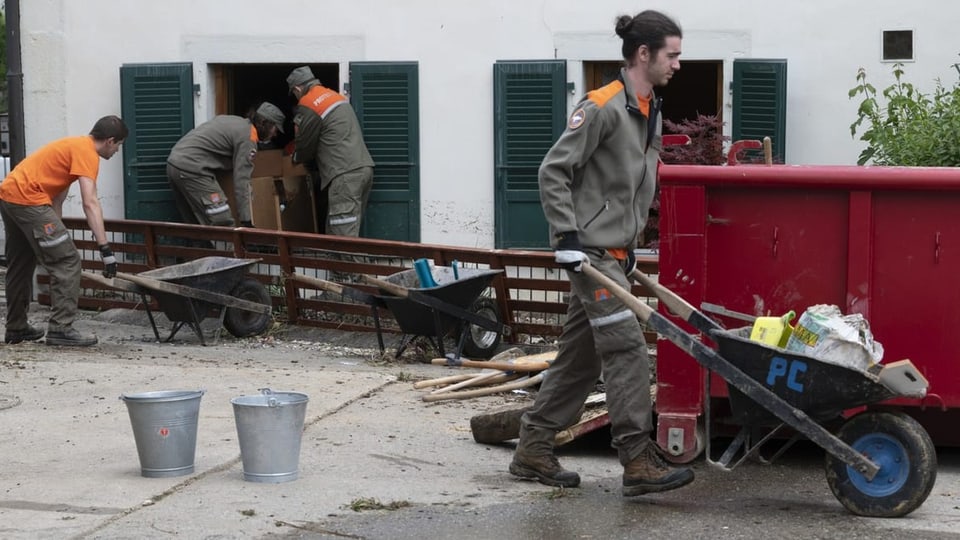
[(456, 268), (423, 273)]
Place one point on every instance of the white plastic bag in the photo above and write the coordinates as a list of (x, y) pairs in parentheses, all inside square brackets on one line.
[(824, 333)]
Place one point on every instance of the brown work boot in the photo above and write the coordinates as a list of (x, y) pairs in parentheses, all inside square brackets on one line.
[(30, 333), (69, 337), (649, 473), (544, 468)]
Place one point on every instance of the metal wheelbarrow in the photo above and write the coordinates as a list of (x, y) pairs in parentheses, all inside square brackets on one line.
[(880, 463), (453, 307), (188, 293)]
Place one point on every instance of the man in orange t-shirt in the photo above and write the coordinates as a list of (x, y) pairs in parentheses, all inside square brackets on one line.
[(31, 205)]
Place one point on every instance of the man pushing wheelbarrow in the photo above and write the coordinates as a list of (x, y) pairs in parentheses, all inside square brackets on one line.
[(596, 186)]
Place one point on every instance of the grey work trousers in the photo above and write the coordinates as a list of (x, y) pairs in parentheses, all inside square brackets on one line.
[(600, 335), (348, 197), (36, 234), (199, 198)]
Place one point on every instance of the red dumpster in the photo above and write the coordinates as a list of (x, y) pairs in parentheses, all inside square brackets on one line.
[(880, 241)]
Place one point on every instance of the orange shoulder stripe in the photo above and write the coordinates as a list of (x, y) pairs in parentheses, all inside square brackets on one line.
[(602, 95)]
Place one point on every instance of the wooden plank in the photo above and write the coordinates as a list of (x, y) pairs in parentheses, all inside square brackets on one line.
[(197, 294)]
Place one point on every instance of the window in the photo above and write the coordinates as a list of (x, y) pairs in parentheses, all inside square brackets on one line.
[(897, 45)]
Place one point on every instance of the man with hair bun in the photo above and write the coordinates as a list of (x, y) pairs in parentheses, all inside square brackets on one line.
[(596, 186), (31, 204)]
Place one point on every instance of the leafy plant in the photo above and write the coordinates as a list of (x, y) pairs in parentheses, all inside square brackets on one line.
[(705, 148), (904, 126), (706, 141)]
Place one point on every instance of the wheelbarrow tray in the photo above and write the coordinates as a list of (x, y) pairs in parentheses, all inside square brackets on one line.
[(217, 275), (414, 317), (822, 390)]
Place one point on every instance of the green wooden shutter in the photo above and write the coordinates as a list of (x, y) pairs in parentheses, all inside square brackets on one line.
[(760, 103), (529, 105), (157, 106), (386, 97)]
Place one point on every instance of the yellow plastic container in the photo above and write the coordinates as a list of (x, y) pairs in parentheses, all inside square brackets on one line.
[(773, 331)]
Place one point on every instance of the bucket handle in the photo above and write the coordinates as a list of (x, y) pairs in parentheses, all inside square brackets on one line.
[(271, 401)]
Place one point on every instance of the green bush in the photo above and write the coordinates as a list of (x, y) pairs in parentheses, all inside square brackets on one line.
[(904, 126)]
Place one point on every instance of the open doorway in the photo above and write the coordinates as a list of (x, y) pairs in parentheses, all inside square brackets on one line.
[(694, 90), (240, 88)]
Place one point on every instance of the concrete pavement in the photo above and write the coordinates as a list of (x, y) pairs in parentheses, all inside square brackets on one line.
[(70, 466)]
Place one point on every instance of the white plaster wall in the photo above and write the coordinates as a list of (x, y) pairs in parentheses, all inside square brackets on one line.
[(72, 52)]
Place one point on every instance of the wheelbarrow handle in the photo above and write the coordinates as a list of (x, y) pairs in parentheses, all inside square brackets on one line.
[(676, 304), (335, 288), (391, 288), (642, 310), (195, 293)]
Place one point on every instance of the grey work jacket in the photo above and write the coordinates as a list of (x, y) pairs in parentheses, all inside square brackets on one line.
[(329, 140), (600, 177), (223, 143)]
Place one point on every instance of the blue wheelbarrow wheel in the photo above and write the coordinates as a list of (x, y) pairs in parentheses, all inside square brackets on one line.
[(907, 459), (480, 342), (243, 323)]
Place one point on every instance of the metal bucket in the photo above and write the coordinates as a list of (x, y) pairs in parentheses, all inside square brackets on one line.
[(269, 428), (165, 428)]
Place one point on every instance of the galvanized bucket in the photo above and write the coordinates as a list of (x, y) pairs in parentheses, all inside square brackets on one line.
[(269, 428), (165, 429)]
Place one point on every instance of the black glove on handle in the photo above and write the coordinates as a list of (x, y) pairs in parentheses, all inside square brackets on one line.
[(569, 253), (109, 261)]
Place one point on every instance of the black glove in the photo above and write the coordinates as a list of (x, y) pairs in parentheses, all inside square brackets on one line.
[(569, 253), (247, 224), (630, 263), (109, 261)]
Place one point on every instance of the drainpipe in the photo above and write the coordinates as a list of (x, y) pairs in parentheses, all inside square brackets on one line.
[(14, 83)]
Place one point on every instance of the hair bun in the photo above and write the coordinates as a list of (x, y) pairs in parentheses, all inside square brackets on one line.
[(623, 25)]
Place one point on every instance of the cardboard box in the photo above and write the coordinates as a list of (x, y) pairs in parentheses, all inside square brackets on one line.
[(284, 204), (289, 169), (265, 211), (298, 211), (268, 163)]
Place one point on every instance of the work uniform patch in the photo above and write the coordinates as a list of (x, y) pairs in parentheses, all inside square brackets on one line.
[(601, 294), (577, 118), (48, 228), (214, 197)]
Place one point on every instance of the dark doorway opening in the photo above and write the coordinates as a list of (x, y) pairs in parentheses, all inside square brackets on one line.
[(694, 90), (240, 88)]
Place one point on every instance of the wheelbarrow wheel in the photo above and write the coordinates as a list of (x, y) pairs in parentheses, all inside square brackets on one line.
[(480, 342), (907, 459), (243, 323)]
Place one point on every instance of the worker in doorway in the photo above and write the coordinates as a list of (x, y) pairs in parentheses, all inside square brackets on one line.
[(224, 143), (596, 186), (31, 205), (329, 142)]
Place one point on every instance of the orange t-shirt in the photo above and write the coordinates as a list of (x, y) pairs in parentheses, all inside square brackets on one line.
[(643, 103), (49, 171)]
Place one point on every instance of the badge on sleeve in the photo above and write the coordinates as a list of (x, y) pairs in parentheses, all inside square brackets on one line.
[(577, 118)]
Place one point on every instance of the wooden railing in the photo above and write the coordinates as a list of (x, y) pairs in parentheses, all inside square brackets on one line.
[(531, 292)]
